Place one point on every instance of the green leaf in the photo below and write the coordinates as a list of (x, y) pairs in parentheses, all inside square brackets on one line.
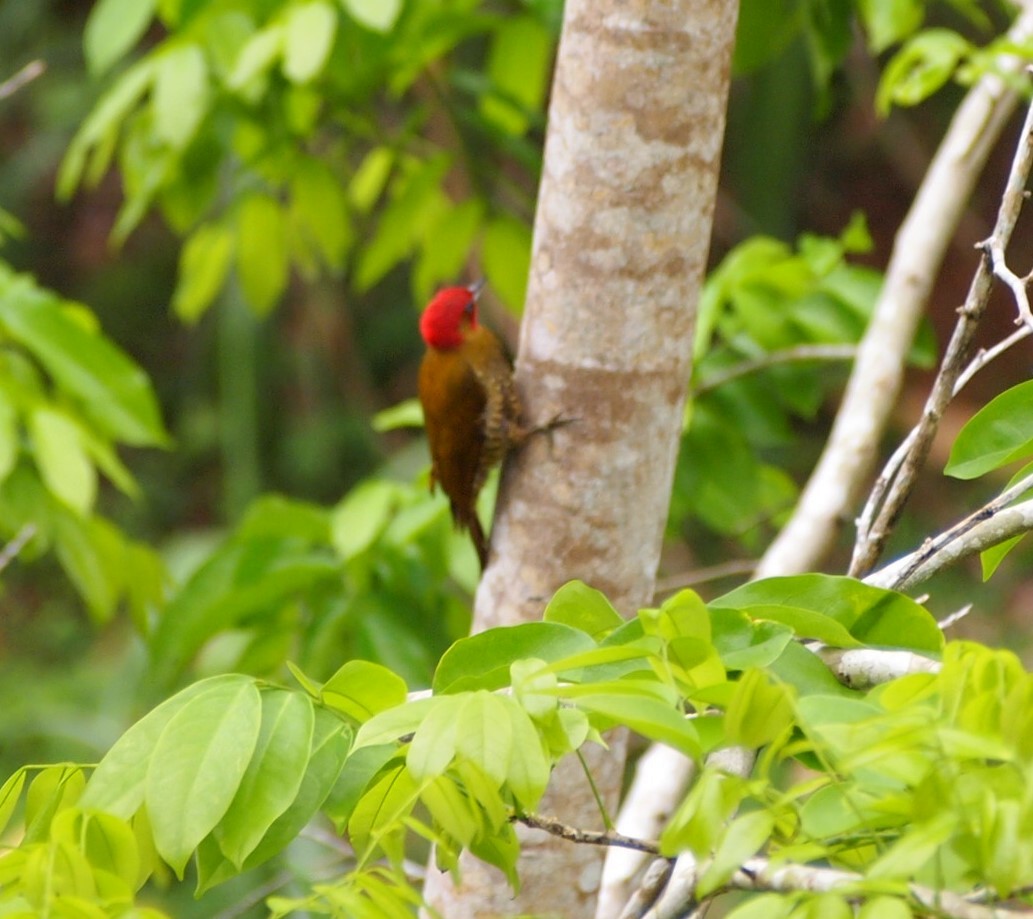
[(329, 749), (319, 210), (112, 390), (759, 710), (765, 906), (9, 441), (109, 844), (273, 776), (484, 734), (360, 690), (417, 202), (362, 515), (528, 772), (915, 848), (118, 783), (113, 27), (261, 251), (255, 59), (197, 765), (518, 68), (885, 908), (394, 723), (308, 37), (838, 610), (381, 810), (744, 838), (204, 262), (446, 246), (506, 253), (378, 15), (326, 758), (62, 460), (888, 21), (650, 717), (743, 643), (482, 661), (406, 414), (583, 607), (10, 794), (433, 746), (999, 433), (451, 810), (242, 577), (920, 68), (180, 96)]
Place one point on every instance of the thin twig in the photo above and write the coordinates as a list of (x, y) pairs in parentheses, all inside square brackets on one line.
[(995, 248), (894, 486), (989, 526), (27, 74), (588, 837), (985, 355), (795, 355), (10, 552)]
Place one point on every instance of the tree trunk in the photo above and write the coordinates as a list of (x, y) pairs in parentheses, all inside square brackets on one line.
[(620, 246)]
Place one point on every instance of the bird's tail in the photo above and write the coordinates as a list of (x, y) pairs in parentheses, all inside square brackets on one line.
[(480, 541)]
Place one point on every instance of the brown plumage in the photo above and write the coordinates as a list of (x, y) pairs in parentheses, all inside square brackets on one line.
[(471, 408)]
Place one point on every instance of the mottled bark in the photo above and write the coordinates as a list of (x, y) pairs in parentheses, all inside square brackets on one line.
[(620, 245)]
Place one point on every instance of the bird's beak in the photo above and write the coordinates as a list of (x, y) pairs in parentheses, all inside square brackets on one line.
[(476, 287)]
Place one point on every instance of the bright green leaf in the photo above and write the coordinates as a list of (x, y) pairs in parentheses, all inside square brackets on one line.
[(113, 28), (361, 689), (180, 96), (204, 262), (743, 839), (378, 15), (61, 458), (273, 776), (999, 433), (482, 661), (197, 765), (650, 717), (583, 607), (506, 253), (112, 390), (320, 211), (261, 251), (434, 743), (838, 610), (361, 516), (308, 37), (518, 67), (9, 436)]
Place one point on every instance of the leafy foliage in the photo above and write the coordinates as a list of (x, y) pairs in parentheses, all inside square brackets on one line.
[(296, 103), (68, 399), (229, 770)]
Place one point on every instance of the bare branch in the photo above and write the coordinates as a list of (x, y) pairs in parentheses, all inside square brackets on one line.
[(27, 74), (863, 668), (995, 248), (588, 837), (875, 381), (989, 526), (894, 486), (799, 354), (986, 355)]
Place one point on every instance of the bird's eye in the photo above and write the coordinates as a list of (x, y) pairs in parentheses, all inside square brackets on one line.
[(468, 309)]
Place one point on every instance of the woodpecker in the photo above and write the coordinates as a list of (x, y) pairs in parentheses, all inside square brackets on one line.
[(471, 408)]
